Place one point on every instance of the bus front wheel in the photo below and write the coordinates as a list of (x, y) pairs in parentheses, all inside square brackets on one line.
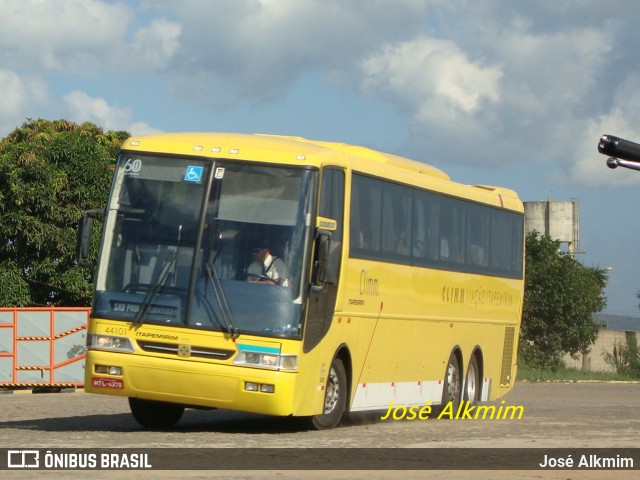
[(335, 398), (155, 415)]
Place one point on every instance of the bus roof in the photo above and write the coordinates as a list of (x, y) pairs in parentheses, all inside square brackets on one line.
[(185, 143), (267, 147)]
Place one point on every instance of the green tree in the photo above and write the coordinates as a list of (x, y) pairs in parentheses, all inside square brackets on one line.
[(560, 298), (50, 172)]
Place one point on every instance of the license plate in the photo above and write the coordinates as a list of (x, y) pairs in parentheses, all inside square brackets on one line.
[(100, 382)]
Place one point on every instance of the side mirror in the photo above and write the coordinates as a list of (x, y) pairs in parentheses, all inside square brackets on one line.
[(323, 239), (325, 268), (83, 238)]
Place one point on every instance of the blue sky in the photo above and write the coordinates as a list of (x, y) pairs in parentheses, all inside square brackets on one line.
[(509, 93)]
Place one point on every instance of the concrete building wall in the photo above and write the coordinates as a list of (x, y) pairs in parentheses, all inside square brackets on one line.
[(535, 216), (559, 220), (606, 341)]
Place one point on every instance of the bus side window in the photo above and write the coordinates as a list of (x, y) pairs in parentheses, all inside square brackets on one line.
[(396, 213), (477, 236), (444, 248), (357, 238), (419, 241), (476, 254), (366, 216), (452, 230)]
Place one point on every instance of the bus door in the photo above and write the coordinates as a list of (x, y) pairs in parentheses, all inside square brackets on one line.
[(322, 302)]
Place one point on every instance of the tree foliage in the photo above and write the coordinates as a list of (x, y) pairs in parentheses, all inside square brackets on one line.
[(561, 296), (50, 172)]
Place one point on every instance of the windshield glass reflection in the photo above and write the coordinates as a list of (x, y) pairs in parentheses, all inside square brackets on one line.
[(244, 274), (257, 222)]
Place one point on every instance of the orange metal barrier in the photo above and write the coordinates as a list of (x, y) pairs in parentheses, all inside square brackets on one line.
[(42, 347)]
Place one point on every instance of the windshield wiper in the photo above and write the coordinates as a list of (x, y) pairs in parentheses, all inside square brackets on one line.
[(170, 260), (161, 280), (221, 298)]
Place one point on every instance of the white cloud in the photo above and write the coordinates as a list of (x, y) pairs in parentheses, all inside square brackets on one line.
[(74, 35), (498, 90), (479, 83), (20, 97), (83, 37), (154, 46), (486, 83), (83, 108), (257, 49), (432, 79)]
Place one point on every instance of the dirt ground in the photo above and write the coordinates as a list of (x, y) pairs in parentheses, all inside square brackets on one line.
[(554, 415)]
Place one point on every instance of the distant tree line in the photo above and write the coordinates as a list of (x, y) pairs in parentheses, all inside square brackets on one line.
[(52, 171)]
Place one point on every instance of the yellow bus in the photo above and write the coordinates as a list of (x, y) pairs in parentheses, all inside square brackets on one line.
[(290, 277)]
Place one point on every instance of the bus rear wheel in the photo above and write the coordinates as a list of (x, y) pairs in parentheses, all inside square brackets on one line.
[(452, 390), (335, 399), (155, 415), (472, 382)]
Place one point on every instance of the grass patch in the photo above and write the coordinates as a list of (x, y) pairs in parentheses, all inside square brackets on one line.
[(565, 374)]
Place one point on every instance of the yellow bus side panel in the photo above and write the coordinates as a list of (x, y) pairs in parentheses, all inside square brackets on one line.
[(405, 353)]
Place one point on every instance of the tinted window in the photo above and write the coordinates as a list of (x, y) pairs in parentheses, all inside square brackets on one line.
[(402, 224)]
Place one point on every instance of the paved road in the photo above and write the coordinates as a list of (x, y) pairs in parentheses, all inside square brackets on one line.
[(572, 415)]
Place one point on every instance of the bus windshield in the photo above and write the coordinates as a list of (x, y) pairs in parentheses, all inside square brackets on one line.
[(217, 246)]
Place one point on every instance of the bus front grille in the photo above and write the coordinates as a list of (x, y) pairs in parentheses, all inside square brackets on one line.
[(186, 350)]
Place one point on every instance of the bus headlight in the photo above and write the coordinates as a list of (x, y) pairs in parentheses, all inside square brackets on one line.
[(288, 362), (108, 369), (108, 342), (266, 360)]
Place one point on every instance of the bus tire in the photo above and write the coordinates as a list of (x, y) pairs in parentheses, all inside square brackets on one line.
[(472, 382), (452, 390), (155, 415), (335, 398)]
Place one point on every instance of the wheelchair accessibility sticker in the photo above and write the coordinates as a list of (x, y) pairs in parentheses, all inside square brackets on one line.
[(193, 174)]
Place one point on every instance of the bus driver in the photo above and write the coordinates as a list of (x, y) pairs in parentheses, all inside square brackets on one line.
[(267, 268)]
